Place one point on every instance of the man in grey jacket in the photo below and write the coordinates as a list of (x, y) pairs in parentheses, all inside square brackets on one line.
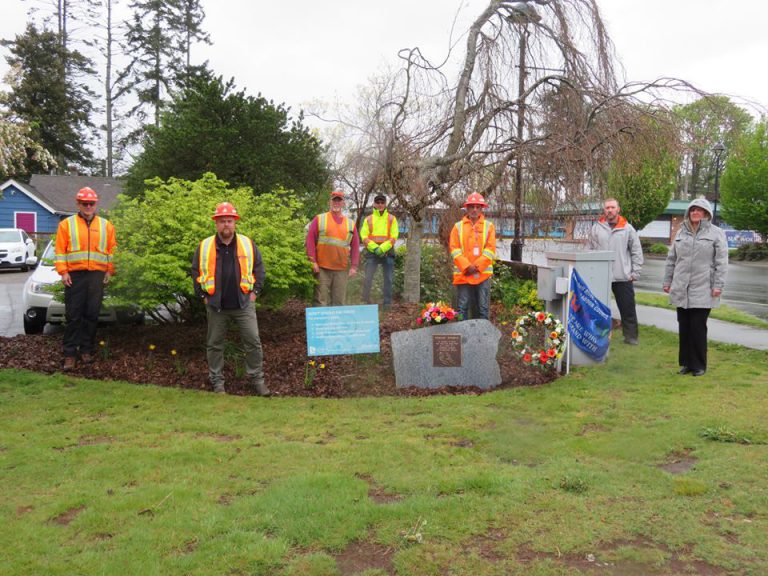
[(612, 232)]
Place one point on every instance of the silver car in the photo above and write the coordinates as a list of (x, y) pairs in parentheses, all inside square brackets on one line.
[(40, 307)]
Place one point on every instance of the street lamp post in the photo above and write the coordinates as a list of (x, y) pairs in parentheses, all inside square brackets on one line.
[(719, 150), (523, 14)]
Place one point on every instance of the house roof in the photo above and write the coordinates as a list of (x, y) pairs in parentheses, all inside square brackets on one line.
[(57, 193)]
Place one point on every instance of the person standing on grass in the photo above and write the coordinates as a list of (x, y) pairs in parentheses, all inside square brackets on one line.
[(694, 278), (613, 233), (379, 234), (473, 249), (85, 244), (333, 249), (229, 275)]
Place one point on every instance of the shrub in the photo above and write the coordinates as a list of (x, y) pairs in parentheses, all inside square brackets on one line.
[(752, 252), (512, 291), (159, 232), (659, 249)]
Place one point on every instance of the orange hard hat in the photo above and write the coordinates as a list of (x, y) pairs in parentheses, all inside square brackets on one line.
[(337, 194), (225, 209), (87, 195), (477, 199)]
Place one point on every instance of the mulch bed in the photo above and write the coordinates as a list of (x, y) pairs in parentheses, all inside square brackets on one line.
[(174, 355)]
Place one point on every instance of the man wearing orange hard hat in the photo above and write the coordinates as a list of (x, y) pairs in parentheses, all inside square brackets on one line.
[(229, 275), (85, 244), (473, 249)]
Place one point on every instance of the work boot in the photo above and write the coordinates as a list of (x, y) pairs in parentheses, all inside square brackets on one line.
[(261, 388), (218, 387), (69, 363), (86, 358)]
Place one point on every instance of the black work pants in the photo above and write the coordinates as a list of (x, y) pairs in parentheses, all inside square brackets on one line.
[(692, 323), (624, 293), (82, 302)]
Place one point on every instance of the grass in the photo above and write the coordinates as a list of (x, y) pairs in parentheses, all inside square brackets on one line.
[(109, 478), (724, 312)]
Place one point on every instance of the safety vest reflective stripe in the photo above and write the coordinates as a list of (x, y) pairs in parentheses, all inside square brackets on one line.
[(245, 257), (207, 277)]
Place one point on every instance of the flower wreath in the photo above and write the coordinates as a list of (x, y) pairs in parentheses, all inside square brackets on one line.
[(527, 327), (437, 313)]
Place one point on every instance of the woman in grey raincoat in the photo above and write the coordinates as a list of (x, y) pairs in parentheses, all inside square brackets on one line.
[(694, 278)]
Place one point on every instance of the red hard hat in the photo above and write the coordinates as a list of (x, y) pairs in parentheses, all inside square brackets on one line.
[(87, 195), (225, 209), (476, 198)]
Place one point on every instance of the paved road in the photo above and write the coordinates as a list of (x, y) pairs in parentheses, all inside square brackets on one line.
[(11, 284)]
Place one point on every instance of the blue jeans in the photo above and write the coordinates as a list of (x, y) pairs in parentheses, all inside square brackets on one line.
[(477, 296), (372, 262)]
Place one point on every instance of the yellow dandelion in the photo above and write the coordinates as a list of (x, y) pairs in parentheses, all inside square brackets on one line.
[(311, 362), (151, 347), (102, 343), (173, 352), (322, 366)]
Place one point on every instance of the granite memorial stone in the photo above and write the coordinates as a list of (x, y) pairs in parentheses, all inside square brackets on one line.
[(452, 354)]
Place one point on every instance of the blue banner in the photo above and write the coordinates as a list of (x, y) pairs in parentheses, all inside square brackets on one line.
[(589, 319), (335, 330)]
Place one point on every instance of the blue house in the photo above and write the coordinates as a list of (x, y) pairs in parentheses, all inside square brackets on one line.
[(38, 207)]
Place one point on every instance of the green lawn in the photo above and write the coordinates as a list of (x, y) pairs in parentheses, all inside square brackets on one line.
[(723, 312), (564, 479)]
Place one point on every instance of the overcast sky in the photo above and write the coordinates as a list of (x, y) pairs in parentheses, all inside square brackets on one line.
[(299, 51)]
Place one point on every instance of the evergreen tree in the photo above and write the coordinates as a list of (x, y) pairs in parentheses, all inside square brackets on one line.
[(246, 141), (55, 106), (159, 38)]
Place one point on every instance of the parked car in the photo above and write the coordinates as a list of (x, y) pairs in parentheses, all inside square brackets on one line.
[(17, 249), (40, 307)]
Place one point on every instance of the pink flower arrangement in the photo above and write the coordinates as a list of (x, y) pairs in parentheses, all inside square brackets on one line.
[(437, 313)]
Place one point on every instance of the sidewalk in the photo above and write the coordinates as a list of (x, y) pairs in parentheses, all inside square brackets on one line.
[(717, 330)]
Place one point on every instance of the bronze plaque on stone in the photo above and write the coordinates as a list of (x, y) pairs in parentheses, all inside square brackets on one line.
[(446, 350)]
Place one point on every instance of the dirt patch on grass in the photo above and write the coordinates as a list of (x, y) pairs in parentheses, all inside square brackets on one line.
[(21, 510), (65, 518), (377, 493), (486, 545), (218, 437), (145, 355), (90, 440), (361, 556), (679, 462)]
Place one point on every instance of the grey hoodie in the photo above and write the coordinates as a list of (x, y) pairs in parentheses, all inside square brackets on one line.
[(697, 262)]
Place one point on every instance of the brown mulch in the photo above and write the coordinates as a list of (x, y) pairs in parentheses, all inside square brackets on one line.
[(126, 355)]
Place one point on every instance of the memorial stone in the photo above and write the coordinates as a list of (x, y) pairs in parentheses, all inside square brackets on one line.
[(452, 354)]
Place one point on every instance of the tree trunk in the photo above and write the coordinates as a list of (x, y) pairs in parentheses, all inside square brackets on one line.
[(412, 273)]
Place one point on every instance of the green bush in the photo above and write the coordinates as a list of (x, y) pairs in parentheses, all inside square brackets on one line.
[(752, 252), (512, 291), (159, 231), (659, 249)]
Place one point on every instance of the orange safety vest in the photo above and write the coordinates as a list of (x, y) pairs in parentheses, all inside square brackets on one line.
[(207, 276), (83, 247), (473, 245), (333, 242)]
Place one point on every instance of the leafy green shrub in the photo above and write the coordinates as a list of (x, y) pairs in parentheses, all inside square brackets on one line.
[(436, 272), (575, 484), (512, 291), (752, 252), (158, 233), (659, 249)]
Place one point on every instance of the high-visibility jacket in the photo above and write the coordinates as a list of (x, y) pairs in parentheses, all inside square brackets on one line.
[(80, 246), (333, 241), (379, 231), (473, 244), (207, 267)]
